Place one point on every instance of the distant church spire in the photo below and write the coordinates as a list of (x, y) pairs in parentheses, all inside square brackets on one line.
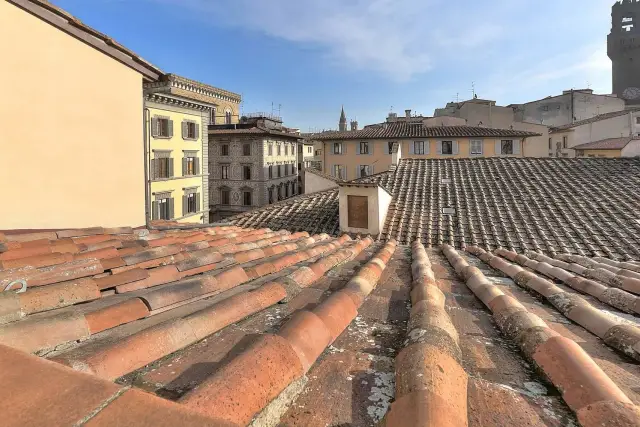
[(343, 121)]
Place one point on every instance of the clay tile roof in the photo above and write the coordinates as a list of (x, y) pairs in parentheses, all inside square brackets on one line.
[(323, 175), (411, 130), (224, 325), (256, 130), (68, 23), (606, 144), (594, 119)]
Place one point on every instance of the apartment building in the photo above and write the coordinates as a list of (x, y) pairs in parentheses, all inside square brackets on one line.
[(352, 155), (81, 163), (252, 164), (178, 113)]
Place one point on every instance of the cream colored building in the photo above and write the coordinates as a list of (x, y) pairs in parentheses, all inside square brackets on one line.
[(352, 155), (72, 149), (614, 125), (610, 148)]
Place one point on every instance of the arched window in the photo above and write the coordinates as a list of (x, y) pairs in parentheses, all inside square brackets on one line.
[(227, 116), (280, 191), (271, 194), (212, 116)]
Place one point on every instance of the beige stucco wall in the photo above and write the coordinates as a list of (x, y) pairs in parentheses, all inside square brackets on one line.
[(632, 149), (601, 153), (313, 183), (614, 127), (72, 134), (380, 159), (378, 205)]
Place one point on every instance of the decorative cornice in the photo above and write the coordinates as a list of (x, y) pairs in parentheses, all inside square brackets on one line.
[(200, 90), (176, 102)]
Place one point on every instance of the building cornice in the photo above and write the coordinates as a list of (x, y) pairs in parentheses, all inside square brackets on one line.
[(203, 92), (162, 98)]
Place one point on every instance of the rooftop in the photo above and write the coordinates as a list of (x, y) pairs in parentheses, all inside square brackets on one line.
[(606, 144), (68, 23), (418, 130), (594, 119), (227, 326), (582, 206)]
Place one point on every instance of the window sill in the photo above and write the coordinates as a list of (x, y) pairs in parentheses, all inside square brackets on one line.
[(177, 177), (162, 137), (189, 139), (189, 215)]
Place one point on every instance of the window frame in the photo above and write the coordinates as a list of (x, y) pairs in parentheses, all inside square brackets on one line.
[(224, 171), (366, 169), (365, 145), (449, 143), (225, 192), (190, 163), (164, 208), (270, 149), (417, 151), (246, 168), (502, 147), (163, 127), (565, 142), (191, 126), (192, 202), (246, 152), (473, 152), (225, 148), (339, 146), (159, 167), (246, 193)]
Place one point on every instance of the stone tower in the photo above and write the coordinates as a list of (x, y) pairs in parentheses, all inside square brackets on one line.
[(623, 48), (343, 121)]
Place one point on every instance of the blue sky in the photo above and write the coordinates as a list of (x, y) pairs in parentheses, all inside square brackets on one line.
[(312, 56)]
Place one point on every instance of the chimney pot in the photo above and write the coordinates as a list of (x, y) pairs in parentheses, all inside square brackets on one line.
[(408, 113)]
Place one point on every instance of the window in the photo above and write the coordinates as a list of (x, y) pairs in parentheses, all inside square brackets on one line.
[(164, 208), (189, 166), (279, 171), (550, 144), (279, 149), (475, 147), (161, 127), (270, 172), (191, 203), (246, 198), (365, 170), (299, 167), (447, 147), (190, 130), (286, 170), (506, 147), (338, 172), (364, 148), (390, 147), (246, 172), (337, 148), (224, 149), (270, 149), (227, 117), (286, 149), (224, 171), (212, 116), (270, 195), (418, 147), (246, 149), (564, 141), (225, 196), (545, 108), (638, 120), (310, 149), (164, 168)]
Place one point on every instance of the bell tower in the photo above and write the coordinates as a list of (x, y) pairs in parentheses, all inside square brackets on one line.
[(623, 48), (343, 121)]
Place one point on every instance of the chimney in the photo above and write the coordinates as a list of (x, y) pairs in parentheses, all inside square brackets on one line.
[(408, 113)]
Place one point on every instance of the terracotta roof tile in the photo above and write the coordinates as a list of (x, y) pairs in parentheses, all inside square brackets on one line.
[(594, 119), (606, 144)]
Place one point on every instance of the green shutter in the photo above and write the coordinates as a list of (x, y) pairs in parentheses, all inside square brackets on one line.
[(185, 200), (152, 169), (154, 127), (197, 202), (170, 167), (197, 130), (155, 210), (185, 130), (196, 166), (171, 213), (170, 126), (184, 166)]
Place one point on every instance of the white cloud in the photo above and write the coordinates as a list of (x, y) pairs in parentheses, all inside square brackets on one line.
[(396, 38)]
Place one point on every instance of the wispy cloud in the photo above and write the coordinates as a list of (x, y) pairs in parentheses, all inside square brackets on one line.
[(398, 39)]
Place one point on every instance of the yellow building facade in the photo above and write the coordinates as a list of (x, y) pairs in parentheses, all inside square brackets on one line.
[(178, 112), (352, 159)]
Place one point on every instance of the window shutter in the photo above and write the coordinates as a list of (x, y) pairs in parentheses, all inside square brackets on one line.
[(357, 172), (373, 169), (197, 202), (170, 128), (454, 149), (517, 146), (184, 166), (358, 148), (152, 169), (154, 127), (412, 146), (439, 145), (371, 144), (185, 130), (196, 165), (171, 216), (155, 210), (185, 200), (498, 147), (197, 130), (344, 148), (170, 168), (427, 146)]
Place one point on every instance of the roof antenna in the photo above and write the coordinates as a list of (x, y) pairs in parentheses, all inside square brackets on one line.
[(473, 90)]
